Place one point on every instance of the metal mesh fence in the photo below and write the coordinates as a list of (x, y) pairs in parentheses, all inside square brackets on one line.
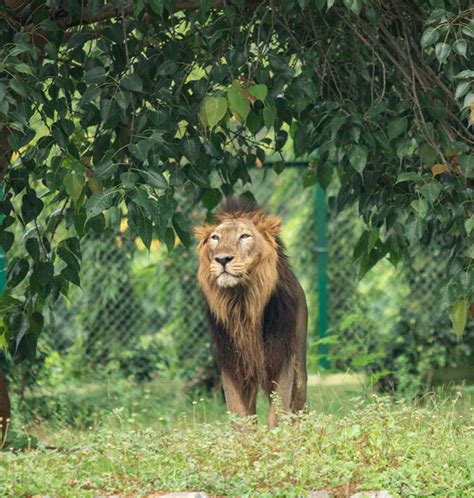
[(142, 310)]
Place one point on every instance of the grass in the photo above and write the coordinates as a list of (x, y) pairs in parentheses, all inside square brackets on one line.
[(122, 403), (348, 441)]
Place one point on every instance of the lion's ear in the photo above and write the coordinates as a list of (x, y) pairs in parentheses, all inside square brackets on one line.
[(202, 233), (271, 225)]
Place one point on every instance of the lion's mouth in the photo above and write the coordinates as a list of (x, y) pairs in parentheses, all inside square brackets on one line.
[(227, 279), (229, 273)]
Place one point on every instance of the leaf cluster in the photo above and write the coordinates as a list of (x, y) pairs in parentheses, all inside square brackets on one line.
[(113, 110)]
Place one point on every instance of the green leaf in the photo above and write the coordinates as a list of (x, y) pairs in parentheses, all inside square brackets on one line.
[(212, 111), (95, 6), (325, 173), (129, 179), (167, 68), (409, 177), (73, 245), (106, 168), (396, 127), (278, 167), (414, 229), (469, 225), (281, 138), (310, 178), (17, 271), (145, 230), (372, 258), (181, 226), (254, 123), (462, 89), (140, 149), (169, 238), (24, 68), (3, 341), (74, 184), (238, 102), (162, 210), (460, 47), (360, 247), (269, 114), (467, 165), (365, 360), (115, 217), (260, 92), (431, 191), (373, 238), (138, 6), (420, 206), (354, 6), (469, 29), (465, 75), (122, 99), (95, 75), (132, 82), (62, 131), (154, 179), (442, 51), (211, 198), (41, 278), (358, 157), (429, 37), (427, 154), (6, 240), (31, 206), (99, 202), (68, 257), (32, 247), (192, 148), (157, 6), (458, 316), (468, 100), (140, 196)]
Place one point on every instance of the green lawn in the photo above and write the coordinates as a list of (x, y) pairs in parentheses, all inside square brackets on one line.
[(348, 440)]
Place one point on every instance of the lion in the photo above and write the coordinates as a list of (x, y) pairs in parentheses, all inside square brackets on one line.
[(257, 309)]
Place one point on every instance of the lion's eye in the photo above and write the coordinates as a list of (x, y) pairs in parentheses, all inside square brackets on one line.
[(244, 236), (215, 237)]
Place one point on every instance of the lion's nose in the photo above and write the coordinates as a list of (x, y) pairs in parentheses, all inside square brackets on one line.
[(224, 260)]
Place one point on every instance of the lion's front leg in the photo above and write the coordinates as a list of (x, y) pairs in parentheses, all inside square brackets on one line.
[(282, 388), (240, 401)]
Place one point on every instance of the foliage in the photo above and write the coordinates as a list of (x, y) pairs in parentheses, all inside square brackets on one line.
[(399, 447), (389, 326), (119, 109)]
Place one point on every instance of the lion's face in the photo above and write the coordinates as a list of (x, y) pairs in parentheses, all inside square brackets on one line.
[(234, 248)]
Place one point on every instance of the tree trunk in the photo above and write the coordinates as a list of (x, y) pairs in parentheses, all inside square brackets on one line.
[(4, 408)]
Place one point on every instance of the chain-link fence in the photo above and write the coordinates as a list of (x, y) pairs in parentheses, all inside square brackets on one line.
[(142, 311)]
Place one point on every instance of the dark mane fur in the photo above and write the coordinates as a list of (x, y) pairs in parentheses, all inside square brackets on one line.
[(233, 205)]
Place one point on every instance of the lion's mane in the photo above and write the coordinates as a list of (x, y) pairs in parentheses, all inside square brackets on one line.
[(252, 341)]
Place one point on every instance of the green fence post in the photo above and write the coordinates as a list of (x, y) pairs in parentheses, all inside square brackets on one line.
[(322, 262)]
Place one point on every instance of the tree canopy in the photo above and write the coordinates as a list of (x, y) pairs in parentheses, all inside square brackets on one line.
[(137, 109)]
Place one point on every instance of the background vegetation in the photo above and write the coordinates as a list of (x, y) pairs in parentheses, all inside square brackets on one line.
[(128, 122), (139, 103)]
